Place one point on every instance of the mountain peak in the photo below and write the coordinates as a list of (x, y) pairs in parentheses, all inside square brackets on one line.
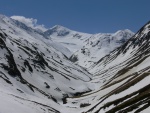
[(58, 30), (124, 31), (123, 34), (59, 27)]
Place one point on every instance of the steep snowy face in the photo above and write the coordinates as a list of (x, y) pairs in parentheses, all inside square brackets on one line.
[(72, 40), (123, 78), (99, 45), (34, 76)]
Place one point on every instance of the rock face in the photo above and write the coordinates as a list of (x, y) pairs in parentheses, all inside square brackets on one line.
[(36, 75)]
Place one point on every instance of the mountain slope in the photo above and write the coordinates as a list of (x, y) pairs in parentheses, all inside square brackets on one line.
[(123, 78), (87, 48), (36, 33), (99, 45), (34, 76), (70, 39)]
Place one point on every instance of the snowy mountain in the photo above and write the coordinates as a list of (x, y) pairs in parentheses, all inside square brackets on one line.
[(70, 39), (99, 45), (37, 33), (36, 75), (122, 79), (87, 48)]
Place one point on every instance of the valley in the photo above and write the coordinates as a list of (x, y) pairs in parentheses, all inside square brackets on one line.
[(64, 71)]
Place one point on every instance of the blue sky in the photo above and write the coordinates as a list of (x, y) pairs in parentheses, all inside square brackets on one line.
[(91, 16)]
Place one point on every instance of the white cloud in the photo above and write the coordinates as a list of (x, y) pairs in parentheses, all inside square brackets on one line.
[(29, 22)]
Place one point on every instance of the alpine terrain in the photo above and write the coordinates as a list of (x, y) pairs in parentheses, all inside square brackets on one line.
[(59, 70)]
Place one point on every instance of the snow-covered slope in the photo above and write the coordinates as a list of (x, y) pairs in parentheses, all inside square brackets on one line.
[(81, 47), (34, 76), (99, 45), (38, 34), (87, 48), (122, 79), (72, 40)]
